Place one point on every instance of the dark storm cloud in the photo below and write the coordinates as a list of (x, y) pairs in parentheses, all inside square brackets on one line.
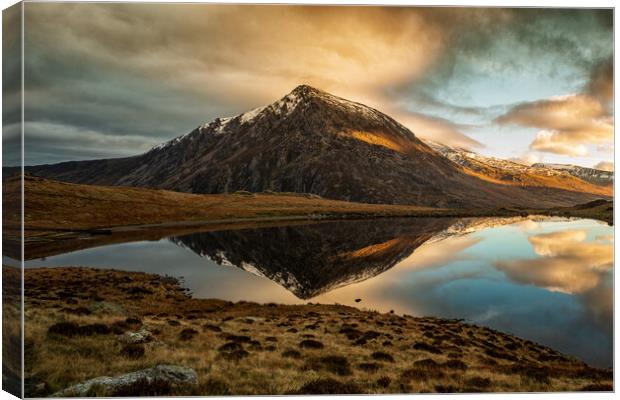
[(515, 41), (106, 79), (11, 85), (601, 81)]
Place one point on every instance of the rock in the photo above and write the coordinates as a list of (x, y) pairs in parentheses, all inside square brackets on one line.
[(171, 374), (142, 336)]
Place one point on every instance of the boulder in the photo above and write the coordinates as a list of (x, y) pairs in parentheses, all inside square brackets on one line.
[(142, 336), (171, 374)]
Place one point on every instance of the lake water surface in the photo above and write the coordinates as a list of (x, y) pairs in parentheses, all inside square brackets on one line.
[(546, 280)]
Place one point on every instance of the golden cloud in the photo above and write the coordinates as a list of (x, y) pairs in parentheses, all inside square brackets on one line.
[(265, 50), (569, 263), (554, 142), (436, 129), (241, 57), (568, 123), (526, 159), (228, 59), (605, 166)]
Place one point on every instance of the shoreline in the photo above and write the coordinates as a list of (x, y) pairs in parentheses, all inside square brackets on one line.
[(56, 206), (312, 348), (69, 216), (44, 242)]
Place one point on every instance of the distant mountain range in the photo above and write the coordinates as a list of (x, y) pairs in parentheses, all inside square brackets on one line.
[(313, 142), (516, 173), (592, 175)]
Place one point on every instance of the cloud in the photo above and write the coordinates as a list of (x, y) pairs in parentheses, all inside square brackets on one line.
[(568, 262), (528, 226), (258, 51), (437, 129), (86, 143), (554, 142), (605, 166), (140, 69), (159, 70), (601, 81), (568, 123)]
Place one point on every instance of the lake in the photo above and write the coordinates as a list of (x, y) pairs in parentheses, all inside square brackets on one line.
[(549, 280)]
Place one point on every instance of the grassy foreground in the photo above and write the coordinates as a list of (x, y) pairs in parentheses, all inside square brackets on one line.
[(75, 318)]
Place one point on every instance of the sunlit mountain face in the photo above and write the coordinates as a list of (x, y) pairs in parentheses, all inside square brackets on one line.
[(531, 85)]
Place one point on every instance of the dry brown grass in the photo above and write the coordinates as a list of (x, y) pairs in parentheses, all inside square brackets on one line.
[(598, 209), (59, 205), (247, 348), (11, 330)]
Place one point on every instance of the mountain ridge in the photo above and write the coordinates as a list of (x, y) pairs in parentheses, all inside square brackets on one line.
[(516, 173), (592, 175)]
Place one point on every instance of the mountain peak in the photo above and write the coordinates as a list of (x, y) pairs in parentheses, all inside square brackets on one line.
[(305, 90)]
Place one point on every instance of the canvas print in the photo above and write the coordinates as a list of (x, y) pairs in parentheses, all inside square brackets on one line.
[(215, 200)]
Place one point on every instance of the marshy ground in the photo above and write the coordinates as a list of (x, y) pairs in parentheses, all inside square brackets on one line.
[(83, 323)]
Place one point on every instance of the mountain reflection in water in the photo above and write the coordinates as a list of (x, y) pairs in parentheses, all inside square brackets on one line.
[(549, 280), (310, 260)]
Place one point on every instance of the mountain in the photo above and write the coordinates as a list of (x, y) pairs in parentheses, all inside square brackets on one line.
[(592, 175), (512, 173), (309, 260), (313, 142)]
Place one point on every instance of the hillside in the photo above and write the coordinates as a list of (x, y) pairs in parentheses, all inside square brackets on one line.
[(313, 142)]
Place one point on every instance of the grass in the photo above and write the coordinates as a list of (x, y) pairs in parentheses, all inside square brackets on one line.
[(11, 331), (54, 205), (232, 355)]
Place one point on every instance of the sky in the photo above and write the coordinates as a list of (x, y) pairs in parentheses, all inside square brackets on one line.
[(112, 80)]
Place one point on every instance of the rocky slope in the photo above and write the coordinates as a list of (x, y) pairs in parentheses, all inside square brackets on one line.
[(313, 142)]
